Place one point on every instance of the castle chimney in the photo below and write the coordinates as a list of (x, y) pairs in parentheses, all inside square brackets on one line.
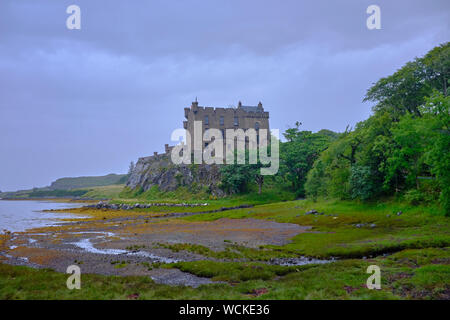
[(260, 105), (195, 103), (166, 147), (155, 153), (239, 104)]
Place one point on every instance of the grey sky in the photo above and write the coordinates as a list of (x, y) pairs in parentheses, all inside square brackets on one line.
[(89, 101)]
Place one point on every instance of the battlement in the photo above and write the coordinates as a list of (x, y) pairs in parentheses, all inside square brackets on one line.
[(240, 110), (240, 117)]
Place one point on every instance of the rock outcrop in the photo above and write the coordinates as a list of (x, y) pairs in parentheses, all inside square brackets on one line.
[(158, 170)]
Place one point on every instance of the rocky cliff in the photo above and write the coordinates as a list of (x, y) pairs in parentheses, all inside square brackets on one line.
[(158, 170)]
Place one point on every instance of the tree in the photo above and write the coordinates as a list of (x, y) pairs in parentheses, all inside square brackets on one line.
[(362, 184), (437, 109), (437, 67), (236, 177), (405, 91), (255, 174), (131, 167), (298, 154), (403, 144)]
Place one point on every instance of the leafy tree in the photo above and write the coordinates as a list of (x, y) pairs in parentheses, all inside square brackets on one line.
[(315, 185), (437, 67), (437, 109), (362, 184), (333, 135), (298, 154), (404, 143), (407, 159), (234, 178), (405, 91)]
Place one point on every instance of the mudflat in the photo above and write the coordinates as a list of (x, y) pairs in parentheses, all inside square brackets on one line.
[(121, 243)]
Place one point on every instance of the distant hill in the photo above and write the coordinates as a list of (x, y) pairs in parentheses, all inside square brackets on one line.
[(99, 187), (87, 182)]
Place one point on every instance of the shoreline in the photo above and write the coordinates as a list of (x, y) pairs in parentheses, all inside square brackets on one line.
[(141, 239)]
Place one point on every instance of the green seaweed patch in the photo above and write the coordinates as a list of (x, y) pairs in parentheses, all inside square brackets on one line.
[(232, 251)]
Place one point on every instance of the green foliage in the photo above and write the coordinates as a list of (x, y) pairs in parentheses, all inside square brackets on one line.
[(362, 185), (298, 154), (405, 91), (128, 193), (437, 154), (405, 141), (331, 134), (416, 197), (236, 178)]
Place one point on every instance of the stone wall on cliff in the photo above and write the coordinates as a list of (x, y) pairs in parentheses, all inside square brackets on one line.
[(158, 170)]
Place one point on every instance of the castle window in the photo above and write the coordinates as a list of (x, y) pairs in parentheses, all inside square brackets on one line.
[(257, 126), (222, 121), (236, 121), (206, 120)]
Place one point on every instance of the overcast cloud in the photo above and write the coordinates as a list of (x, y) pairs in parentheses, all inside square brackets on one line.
[(89, 101)]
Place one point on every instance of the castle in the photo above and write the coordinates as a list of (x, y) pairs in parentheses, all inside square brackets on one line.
[(242, 117), (158, 169)]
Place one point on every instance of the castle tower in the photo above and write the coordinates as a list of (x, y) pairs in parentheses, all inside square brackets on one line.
[(242, 117)]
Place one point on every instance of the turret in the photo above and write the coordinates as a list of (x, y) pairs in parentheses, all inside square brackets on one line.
[(194, 104)]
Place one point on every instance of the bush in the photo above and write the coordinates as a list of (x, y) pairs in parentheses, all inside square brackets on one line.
[(362, 184), (414, 197)]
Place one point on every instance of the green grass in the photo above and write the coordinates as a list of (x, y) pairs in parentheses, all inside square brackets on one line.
[(233, 271), (271, 192), (232, 251), (410, 274), (335, 234), (104, 192), (88, 182)]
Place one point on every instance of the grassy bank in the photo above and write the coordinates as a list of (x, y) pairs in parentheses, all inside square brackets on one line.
[(272, 191), (104, 192)]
